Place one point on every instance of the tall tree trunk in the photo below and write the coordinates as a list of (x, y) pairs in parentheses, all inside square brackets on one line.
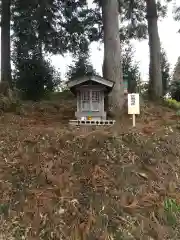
[(155, 81), (5, 42), (112, 67)]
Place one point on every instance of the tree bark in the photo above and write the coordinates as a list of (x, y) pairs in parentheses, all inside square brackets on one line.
[(112, 66), (5, 42), (155, 75)]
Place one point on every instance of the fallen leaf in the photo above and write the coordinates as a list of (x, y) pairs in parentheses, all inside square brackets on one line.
[(143, 175)]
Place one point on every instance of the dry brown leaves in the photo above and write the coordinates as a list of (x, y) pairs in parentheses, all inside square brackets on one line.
[(61, 183)]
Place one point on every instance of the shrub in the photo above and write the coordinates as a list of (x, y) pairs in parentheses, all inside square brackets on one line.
[(172, 103), (10, 102), (175, 90)]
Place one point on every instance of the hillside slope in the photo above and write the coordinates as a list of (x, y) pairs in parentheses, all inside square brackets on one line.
[(118, 183)]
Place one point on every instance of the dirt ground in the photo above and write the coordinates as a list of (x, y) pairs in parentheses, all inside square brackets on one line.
[(67, 183)]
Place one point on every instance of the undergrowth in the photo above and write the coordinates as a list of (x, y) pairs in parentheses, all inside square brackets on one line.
[(10, 102), (82, 184)]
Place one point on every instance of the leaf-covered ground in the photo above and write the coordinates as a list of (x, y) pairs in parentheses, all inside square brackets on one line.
[(67, 183)]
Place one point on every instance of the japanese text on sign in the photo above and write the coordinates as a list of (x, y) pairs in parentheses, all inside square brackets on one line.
[(133, 100)]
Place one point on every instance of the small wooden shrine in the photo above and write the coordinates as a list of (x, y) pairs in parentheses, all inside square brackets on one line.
[(90, 91)]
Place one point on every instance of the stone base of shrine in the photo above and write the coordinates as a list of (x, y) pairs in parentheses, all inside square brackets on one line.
[(92, 122)]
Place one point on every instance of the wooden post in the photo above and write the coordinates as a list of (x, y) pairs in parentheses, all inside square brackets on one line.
[(134, 120)]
